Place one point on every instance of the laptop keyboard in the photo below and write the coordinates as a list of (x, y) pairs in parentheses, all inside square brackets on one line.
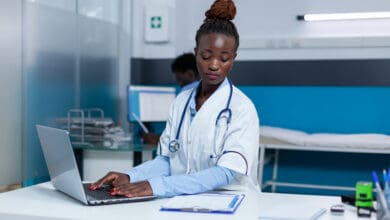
[(100, 194)]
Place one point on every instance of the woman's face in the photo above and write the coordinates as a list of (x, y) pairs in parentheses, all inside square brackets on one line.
[(215, 55)]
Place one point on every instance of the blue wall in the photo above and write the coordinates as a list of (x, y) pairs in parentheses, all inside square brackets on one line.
[(324, 109)]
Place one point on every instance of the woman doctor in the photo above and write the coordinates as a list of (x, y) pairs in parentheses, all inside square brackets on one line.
[(211, 137)]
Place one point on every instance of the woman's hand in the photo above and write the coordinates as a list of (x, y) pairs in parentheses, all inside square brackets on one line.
[(112, 178), (133, 189)]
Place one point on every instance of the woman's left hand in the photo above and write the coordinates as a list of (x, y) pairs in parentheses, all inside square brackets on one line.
[(142, 188)]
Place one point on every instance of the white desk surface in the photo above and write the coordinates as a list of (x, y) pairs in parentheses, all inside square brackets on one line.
[(43, 202)]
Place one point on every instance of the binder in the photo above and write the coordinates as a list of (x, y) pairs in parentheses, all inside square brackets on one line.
[(222, 203)]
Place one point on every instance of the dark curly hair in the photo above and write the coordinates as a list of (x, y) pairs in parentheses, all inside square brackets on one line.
[(184, 62), (219, 20)]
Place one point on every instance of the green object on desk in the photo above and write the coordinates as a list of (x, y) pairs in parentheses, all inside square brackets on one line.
[(364, 198)]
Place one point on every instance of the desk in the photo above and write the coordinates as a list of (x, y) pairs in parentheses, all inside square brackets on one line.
[(43, 202), (94, 161)]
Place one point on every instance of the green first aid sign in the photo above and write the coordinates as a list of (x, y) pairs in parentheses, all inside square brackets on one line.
[(155, 22), (155, 30)]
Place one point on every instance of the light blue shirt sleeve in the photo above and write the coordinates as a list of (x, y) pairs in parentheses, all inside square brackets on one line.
[(159, 166), (157, 172), (202, 181)]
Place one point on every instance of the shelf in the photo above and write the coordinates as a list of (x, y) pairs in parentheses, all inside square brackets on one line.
[(121, 147)]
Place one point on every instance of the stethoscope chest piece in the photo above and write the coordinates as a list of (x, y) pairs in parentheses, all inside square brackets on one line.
[(174, 146)]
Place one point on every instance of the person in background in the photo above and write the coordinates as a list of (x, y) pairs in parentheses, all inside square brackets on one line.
[(185, 71), (187, 76), (211, 137)]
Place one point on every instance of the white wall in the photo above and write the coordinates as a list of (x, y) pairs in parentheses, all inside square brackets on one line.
[(10, 92), (151, 50), (269, 31)]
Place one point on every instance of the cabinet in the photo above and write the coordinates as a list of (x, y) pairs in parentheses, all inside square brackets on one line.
[(94, 161)]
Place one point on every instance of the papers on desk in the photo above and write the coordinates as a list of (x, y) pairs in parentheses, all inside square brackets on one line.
[(292, 212), (225, 203)]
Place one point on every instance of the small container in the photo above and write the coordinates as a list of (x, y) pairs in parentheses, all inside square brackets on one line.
[(380, 214), (364, 197), (337, 209), (387, 194)]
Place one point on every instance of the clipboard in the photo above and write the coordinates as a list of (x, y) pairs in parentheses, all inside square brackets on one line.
[(219, 203)]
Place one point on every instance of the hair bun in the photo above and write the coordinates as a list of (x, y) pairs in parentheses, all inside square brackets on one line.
[(222, 9)]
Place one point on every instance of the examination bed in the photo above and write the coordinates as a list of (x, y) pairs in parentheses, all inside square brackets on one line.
[(287, 139)]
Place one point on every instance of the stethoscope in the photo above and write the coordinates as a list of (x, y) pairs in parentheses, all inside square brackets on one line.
[(174, 145)]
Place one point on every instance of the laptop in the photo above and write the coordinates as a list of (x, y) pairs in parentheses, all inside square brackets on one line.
[(64, 174)]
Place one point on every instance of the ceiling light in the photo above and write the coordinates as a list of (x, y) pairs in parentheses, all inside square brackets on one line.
[(343, 16)]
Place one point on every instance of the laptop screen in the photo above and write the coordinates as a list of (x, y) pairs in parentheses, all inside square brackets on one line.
[(64, 174)]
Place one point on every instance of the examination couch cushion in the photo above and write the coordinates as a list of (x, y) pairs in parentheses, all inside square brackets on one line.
[(277, 135)]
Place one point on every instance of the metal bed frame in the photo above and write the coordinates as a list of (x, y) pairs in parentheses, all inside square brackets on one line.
[(277, 147)]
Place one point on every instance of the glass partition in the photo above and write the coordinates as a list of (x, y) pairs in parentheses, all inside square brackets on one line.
[(69, 61)]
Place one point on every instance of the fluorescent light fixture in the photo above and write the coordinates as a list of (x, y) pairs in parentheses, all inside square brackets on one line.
[(343, 16)]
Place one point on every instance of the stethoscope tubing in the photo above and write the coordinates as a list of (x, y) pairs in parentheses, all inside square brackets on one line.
[(241, 155), (174, 144), (182, 116)]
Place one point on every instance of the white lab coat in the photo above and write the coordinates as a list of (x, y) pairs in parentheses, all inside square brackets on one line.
[(197, 138)]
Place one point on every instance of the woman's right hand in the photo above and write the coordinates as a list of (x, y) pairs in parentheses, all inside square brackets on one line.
[(112, 178)]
